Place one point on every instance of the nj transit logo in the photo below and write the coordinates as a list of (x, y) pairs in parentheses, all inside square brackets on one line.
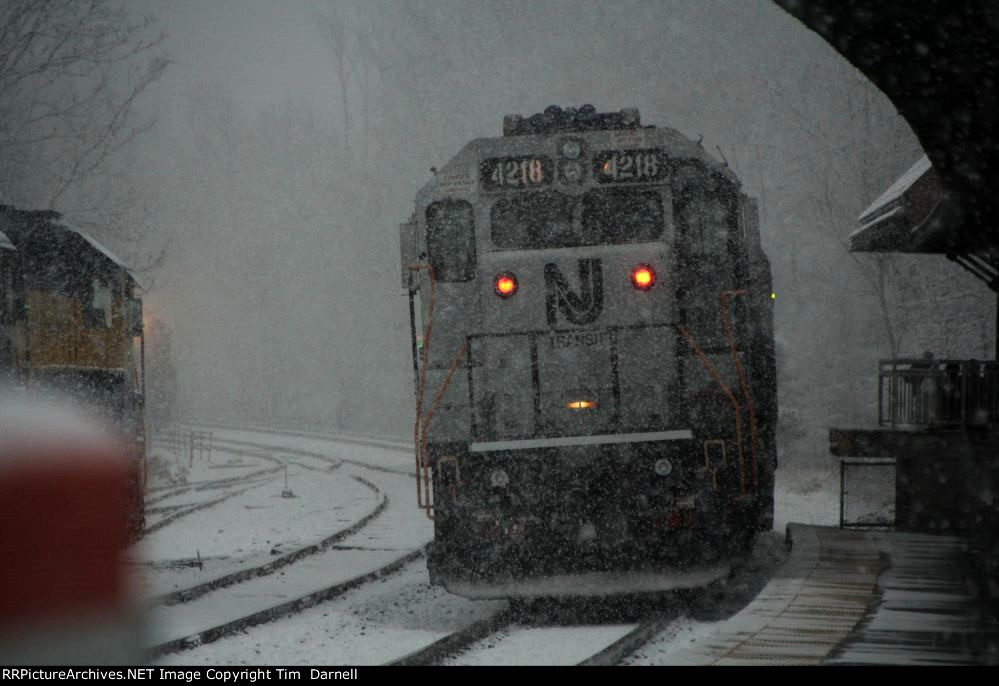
[(578, 308)]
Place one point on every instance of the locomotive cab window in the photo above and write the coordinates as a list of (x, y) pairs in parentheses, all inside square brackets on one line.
[(451, 240), (99, 315), (534, 220), (550, 219), (616, 216), (707, 205)]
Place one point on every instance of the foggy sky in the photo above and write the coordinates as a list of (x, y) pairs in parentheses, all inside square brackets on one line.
[(282, 209)]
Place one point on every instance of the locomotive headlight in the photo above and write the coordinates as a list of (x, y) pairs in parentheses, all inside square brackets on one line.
[(643, 277), (571, 149), (505, 284), (499, 479), (663, 467)]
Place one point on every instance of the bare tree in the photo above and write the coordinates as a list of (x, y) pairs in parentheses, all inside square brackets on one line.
[(837, 115), (347, 34), (71, 73)]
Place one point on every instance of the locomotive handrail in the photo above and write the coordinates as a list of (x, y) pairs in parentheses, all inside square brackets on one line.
[(423, 486), (706, 363), (421, 384), (425, 458), (727, 324)]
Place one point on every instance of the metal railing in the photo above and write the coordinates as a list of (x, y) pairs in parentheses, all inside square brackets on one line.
[(945, 393), (184, 441)]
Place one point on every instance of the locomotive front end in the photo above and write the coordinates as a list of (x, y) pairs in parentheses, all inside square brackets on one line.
[(565, 433)]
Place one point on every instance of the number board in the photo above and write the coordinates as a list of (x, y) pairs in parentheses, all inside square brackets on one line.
[(629, 166), (511, 173)]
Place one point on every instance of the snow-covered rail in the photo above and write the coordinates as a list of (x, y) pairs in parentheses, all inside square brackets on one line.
[(246, 573), (372, 546), (162, 510), (479, 632), (593, 631)]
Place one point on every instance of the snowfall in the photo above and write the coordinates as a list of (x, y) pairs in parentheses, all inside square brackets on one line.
[(334, 528)]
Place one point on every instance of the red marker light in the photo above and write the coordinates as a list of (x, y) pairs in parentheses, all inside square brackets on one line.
[(643, 277), (505, 284)]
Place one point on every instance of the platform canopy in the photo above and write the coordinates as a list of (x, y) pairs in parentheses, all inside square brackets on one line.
[(938, 63), (908, 217), (916, 215)]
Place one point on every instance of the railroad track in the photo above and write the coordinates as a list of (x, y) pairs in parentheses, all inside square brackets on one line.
[(178, 512), (167, 514), (357, 439), (313, 454), (250, 580), (614, 641), (278, 611), (631, 623), (257, 478), (166, 492), (454, 643), (476, 637), (244, 574)]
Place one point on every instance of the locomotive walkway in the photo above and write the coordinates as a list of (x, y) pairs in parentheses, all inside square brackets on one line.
[(855, 597)]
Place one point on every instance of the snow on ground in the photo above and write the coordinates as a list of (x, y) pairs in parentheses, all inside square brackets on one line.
[(662, 649), (803, 496), (398, 531), (400, 460), (810, 497), (250, 528), (561, 645), (384, 620), (373, 624), (701, 621)]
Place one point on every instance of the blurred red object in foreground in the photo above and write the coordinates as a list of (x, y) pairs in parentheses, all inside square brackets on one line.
[(65, 492)]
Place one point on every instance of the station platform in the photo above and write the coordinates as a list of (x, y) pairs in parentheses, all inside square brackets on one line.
[(861, 597)]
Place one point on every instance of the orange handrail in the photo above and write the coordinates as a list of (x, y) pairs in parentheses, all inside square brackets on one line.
[(727, 323), (427, 505), (706, 363), (420, 426), (421, 383)]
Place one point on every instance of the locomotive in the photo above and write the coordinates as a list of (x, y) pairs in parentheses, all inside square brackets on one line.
[(71, 327), (593, 352)]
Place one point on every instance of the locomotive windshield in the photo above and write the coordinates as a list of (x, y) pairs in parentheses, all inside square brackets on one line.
[(534, 220), (622, 216), (551, 220)]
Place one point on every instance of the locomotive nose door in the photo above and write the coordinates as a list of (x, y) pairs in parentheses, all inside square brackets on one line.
[(594, 372), (576, 356)]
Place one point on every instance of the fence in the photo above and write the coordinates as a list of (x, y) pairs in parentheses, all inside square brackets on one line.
[(183, 441), (931, 392)]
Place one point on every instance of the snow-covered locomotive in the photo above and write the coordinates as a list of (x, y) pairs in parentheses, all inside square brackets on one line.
[(593, 352)]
